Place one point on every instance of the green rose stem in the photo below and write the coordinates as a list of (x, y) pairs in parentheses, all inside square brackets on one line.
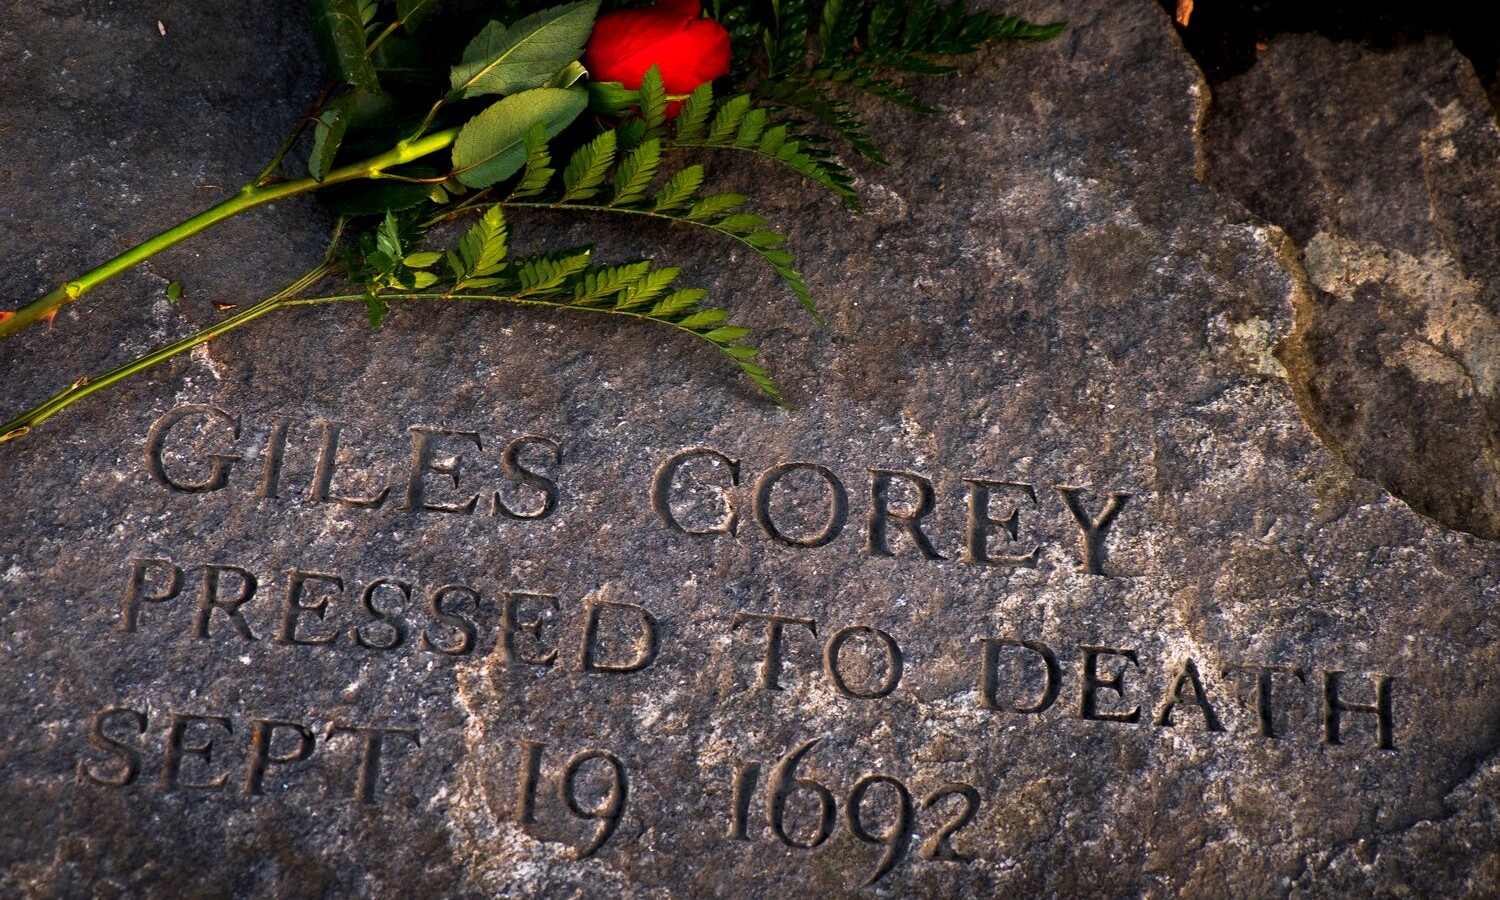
[(248, 197), (285, 299), (83, 387)]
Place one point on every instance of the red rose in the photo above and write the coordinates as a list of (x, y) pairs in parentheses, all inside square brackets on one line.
[(688, 50)]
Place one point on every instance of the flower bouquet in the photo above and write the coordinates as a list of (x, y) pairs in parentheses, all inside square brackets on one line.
[(577, 108)]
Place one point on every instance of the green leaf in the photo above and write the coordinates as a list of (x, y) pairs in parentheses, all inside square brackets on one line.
[(174, 291), (587, 168), (679, 189), (712, 206), (612, 99), (705, 317), (606, 281), (482, 249), (653, 100), (727, 120), (885, 25), (328, 134), (569, 75), (630, 133), (412, 12), (388, 237), (727, 334), (339, 31), (919, 15), (422, 260), (539, 171), (677, 302), (503, 60), (653, 285), (492, 146), (840, 23), (751, 128), (635, 173), (547, 271), (693, 115), (376, 308)]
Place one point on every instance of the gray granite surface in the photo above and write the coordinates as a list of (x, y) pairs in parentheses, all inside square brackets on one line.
[(238, 660)]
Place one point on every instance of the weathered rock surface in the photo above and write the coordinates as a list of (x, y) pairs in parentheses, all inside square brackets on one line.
[(1385, 169), (1045, 297)]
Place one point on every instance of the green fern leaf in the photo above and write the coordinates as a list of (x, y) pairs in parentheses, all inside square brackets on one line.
[(679, 189), (588, 167), (653, 101), (727, 334), (704, 318), (606, 281), (636, 172), (648, 288), (692, 118), (919, 14), (727, 121), (840, 23), (675, 303), (739, 223), (714, 205), (482, 249), (751, 128), (544, 272), (538, 172), (786, 43)]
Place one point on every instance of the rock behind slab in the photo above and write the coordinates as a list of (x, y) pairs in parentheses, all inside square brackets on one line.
[(1385, 169)]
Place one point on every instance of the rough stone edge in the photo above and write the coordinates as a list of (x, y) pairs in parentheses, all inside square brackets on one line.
[(1291, 347)]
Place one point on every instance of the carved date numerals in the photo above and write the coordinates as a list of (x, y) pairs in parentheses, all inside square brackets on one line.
[(606, 812), (878, 810)]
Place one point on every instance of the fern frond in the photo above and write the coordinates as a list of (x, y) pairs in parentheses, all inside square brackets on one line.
[(679, 189), (786, 41), (544, 272), (738, 126), (717, 213), (841, 19), (481, 251), (538, 172), (588, 167), (653, 95), (636, 290), (636, 172), (693, 117)]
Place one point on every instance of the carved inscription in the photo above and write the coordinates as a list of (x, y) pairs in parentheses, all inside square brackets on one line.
[(799, 797), (229, 604), (992, 534), (873, 798), (208, 752), (605, 814), (198, 449)]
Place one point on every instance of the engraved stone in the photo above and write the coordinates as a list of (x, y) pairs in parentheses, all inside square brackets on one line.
[(1046, 588)]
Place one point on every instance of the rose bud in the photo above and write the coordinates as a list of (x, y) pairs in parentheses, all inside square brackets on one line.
[(687, 49)]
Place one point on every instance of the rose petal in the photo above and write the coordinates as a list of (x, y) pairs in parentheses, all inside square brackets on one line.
[(624, 33)]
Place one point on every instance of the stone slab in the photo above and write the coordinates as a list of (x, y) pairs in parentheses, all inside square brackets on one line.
[(1047, 302)]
